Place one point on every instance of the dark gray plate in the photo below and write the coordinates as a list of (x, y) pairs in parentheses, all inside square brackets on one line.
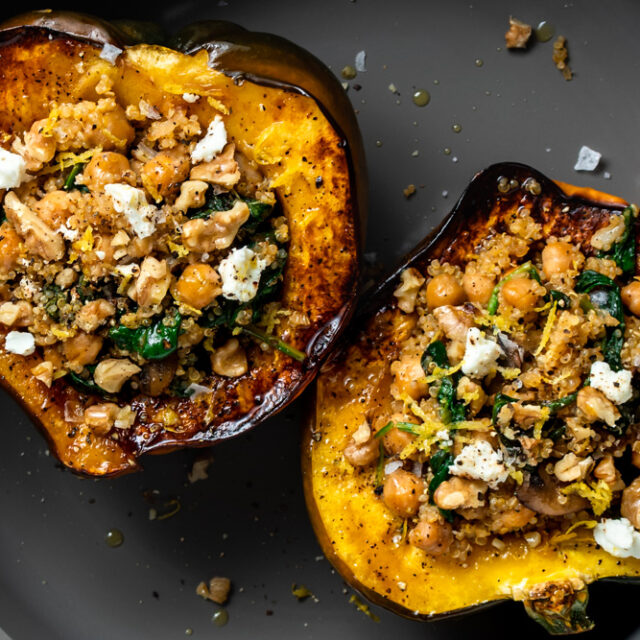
[(58, 578)]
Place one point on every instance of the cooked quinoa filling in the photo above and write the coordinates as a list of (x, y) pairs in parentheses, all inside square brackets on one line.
[(513, 410), (140, 250)]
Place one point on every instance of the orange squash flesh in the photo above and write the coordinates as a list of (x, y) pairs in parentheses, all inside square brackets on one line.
[(308, 162), (360, 536)]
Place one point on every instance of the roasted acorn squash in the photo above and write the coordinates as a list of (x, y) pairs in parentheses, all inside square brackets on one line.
[(285, 111), (365, 540)]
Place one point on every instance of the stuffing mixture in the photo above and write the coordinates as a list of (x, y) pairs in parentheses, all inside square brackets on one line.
[(139, 250), (513, 410)]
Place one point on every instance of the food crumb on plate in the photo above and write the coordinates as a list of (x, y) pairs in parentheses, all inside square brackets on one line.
[(588, 159)]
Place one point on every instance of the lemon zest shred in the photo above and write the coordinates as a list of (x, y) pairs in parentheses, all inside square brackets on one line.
[(439, 373), (62, 334), (122, 287), (178, 249), (509, 373), (569, 534), (517, 475), (52, 118), (67, 159), (557, 379), (537, 427), (468, 397), (118, 142), (599, 495), (217, 105), (546, 332), (85, 243)]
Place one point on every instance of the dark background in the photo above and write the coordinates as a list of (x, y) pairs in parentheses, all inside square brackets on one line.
[(58, 578)]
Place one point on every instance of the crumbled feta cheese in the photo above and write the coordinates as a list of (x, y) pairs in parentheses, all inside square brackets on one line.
[(480, 461), (361, 61), (28, 288), (110, 53), (588, 159), (20, 342), (392, 466), (127, 270), (190, 97), (616, 385), (13, 169), (618, 537), (480, 354), (133, 203), (240, 272), (212, 143), (444, 438), (101, 254), (66, 233), (195, 390)]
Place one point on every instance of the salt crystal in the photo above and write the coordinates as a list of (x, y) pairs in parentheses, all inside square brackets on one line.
[(361, 61), (588, 159), (110, 53), (390, 467)]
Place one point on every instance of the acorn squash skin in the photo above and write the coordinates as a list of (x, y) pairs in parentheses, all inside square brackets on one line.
[(320, 185), (353, 526)]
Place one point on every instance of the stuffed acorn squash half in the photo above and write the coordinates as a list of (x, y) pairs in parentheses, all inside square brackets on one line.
[(477, 439), (180, 235)]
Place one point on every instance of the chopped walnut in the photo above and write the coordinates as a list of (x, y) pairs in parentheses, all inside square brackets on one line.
[(100, 417), (218, 232), (561, 56), (17, 314), (518, 35), (192, 195), (222, 170), (217, 590), (43, 372), (230, 360), (152, 283), (112, 373), (94, 314), (407, 291)]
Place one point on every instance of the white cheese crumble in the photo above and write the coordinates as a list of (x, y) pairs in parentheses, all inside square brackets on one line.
[(480, 461), (190, 97), (588, 159), (444, 438), (20, 342), (392, 466), (133, 203), (480, 354), (110, 53), (616, 385), (618, 537), (240, 272), (68, 234), (13, 169), (195, 390), (212, 143)]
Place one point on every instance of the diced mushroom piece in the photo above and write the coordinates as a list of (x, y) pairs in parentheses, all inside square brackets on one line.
[(112, 373), (513, 352), (542, 495), (157, 375), (39, 238)]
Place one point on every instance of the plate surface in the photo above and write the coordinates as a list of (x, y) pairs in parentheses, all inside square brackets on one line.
[(58, 578)]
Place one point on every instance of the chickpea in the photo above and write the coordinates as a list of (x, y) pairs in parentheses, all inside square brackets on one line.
[(630, 505), (401, 493), (395, 440), (9, 248), (409, 376), (477, 287), (107, 167), (81, 350), (114, 130), (557, 258), (162, 175), (521, 293), (512, 519), (444, 289), (38, 148), (631, 297), (433, 537), (199, 285), (361, 455)]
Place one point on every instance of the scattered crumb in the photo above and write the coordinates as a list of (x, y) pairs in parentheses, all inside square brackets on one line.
[(518, 35), (361, 61), (394, 89), (409, 191), (588, 159), (361, 606), (199, 468), (217, 590), (302, 593), (561, 57)]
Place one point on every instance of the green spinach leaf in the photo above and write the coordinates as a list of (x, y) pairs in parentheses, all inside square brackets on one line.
[(153, 343), (623, 252)]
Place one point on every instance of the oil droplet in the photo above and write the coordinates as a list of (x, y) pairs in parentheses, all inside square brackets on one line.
[(114, 538), (479, 62), (378, 143), (487, 92), (544, 31), (436, 82), (220, 618), (421, 98), (447, 151), (188, 631), (349, 72), (457, 128)]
